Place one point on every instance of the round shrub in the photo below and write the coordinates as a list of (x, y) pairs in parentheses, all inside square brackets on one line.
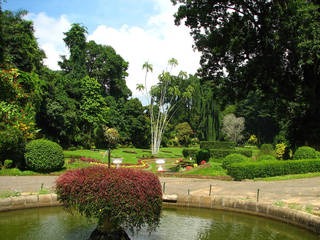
[(44, 156), (121, 197), (233, 158), (202, 155), (266, 157), (305, 152), (267, 149)]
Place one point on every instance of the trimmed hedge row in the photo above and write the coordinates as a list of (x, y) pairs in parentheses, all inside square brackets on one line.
[(250, 170), (222, 153), (217, 145)]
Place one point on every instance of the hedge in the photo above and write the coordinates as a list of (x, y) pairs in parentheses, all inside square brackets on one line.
[(222, 153), (305, 152), (250, 170), (217, 145), (190, 152), (202, 155), (233, 158)]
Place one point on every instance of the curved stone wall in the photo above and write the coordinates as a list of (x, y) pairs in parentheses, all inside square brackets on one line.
[(291, 216)]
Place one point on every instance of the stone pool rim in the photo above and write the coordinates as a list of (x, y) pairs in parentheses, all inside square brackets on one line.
[(291, 216)]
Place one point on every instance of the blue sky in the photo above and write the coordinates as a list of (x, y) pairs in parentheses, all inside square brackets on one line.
[(91, 13), (139, 30)]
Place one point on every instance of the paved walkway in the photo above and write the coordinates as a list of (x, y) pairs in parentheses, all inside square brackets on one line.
[(301, 191)]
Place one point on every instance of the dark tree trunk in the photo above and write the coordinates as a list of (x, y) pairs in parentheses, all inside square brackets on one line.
[(114, 235)]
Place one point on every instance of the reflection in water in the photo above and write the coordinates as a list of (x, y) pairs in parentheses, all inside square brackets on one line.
[(176, 224)]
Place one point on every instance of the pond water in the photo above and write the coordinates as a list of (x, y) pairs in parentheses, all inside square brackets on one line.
[(176, 224)]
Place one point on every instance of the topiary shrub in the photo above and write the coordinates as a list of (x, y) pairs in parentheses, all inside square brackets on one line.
[(266, 149), (116, 197), (8, 163), (202, 155), (233, 158), (189, 152), (44, 156), (305, 152), (266, 157)]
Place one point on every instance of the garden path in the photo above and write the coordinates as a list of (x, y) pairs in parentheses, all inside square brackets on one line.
[(297, 191)]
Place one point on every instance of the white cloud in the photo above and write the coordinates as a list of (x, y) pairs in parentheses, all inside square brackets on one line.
[(49, 32), (157, 42)]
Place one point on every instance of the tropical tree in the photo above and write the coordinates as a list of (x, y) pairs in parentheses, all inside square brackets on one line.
[(163, 98)]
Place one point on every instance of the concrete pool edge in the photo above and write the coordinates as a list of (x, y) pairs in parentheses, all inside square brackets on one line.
[(287, 215), (294, 217)]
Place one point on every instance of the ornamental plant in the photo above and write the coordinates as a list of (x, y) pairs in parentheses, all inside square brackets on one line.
[(44, 156), (305, 152), (116, 197)]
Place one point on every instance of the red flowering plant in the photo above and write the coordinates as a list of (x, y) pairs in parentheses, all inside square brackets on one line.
[(116, 197)]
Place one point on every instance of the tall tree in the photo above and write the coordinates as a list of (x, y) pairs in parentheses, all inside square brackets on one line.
[(76, 42), (109, 68), (19, 46), (272, 46)]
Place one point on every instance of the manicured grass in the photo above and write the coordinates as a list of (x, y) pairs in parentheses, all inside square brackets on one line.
[(124, 153), (289, 177), (214, 170)]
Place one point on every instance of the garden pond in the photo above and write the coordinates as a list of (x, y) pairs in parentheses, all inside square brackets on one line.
[(176, 223)]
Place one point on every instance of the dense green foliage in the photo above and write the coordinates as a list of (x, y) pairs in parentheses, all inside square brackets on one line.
[(266, 157), (44, 156), (12, 144), (217, 145), (122, 197), (190, 152), (8, 163), (222, 153), (250, 170), (233, 158), (202, 155), (266, 149), (305, 152), (266, 46)]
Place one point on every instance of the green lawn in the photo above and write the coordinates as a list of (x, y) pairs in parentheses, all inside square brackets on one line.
[(289, 177), (129, 155)]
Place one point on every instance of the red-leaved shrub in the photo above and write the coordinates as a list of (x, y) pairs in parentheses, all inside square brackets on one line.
[(124, 197)]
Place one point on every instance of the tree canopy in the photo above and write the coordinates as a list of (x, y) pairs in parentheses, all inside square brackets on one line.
[(272, 46)]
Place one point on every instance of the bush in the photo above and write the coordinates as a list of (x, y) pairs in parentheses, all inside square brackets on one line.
[(267, 149), (250, 170), (305, 153), (190, 152), (217, 145), (222, 153), (233, 158), (12, 146), (282, 151), (44, 156), (8, 163), (266, 157), (125, 197), (202, 155)]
